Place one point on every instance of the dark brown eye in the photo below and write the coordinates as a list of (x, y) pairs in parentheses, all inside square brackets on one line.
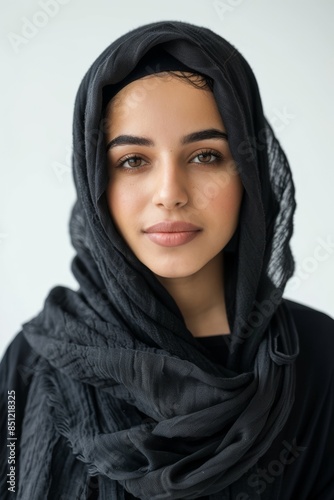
[(131, 162), (205, 157), (135, 161), (208, 157)]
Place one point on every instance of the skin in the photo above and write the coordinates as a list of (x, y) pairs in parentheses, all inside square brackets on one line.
[(170, 180)]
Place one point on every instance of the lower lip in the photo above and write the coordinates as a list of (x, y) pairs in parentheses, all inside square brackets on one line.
[(172, 239)]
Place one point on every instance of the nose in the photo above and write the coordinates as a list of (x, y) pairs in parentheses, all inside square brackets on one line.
[(171, 187)]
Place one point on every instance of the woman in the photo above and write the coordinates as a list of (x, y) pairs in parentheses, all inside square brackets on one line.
[(177, 370)]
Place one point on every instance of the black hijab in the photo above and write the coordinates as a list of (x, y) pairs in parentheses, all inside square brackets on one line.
[(122, 390)]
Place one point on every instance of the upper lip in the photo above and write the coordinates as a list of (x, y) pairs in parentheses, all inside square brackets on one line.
[(172, 227)]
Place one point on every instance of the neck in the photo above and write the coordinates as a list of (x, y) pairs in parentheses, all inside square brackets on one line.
[(201, 299)]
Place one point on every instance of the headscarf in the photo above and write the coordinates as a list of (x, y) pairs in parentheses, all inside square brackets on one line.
[(122, 391)]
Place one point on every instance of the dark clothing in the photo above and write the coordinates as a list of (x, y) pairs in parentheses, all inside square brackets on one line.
[(300, 462), (115, 385)]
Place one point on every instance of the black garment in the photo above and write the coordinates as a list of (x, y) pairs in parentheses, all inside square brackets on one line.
[(120, 387), (298, 466)]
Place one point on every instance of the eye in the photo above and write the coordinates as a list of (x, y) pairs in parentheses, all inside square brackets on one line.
[(130, 161), (208, 156)]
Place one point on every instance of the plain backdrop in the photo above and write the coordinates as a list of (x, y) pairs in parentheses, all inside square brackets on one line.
[(47, 46)]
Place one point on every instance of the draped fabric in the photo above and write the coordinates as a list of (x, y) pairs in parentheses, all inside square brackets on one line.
[(121, 389)]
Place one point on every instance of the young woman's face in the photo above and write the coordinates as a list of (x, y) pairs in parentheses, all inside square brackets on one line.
[(174, 193)]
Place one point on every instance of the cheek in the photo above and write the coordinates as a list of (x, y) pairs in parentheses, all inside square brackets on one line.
[(121, 202), (227, 201)]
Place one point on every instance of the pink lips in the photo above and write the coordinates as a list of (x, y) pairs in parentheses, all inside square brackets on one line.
[(172, 234)]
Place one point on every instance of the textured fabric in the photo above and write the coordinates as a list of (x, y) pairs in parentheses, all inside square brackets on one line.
[(156, 60), (308, 433), (119, 378)]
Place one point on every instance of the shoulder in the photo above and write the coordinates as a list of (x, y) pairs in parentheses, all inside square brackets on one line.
[(303, 313), (308, 431), (316, 338), (311, 321), (15, 362), (16, 371)]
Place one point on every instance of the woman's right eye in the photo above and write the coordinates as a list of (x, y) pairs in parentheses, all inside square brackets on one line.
[(131, 161)]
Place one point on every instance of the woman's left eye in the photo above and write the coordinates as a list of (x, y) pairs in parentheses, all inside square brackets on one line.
[(208, 157)]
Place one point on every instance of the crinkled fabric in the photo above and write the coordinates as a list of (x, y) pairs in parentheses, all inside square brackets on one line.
[(121, 389)]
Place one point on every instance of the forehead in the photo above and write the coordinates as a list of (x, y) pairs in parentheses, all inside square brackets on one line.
[(164, 94)]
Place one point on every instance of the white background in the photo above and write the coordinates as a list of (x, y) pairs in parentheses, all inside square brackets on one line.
[(288, 43)]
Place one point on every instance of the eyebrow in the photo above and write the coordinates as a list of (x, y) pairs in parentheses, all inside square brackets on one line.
[(201, 135)]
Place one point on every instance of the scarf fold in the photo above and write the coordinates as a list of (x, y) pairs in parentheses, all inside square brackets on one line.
[(122, 390)]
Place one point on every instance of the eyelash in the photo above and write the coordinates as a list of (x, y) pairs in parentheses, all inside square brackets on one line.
[(218, 158)]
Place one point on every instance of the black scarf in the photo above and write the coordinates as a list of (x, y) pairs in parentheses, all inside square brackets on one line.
[(122, 390)]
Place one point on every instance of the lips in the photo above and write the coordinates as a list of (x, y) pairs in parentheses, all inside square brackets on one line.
[(172, 233), (172, 227)]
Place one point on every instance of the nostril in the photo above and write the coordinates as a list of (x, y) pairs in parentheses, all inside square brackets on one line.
[(170, 198)]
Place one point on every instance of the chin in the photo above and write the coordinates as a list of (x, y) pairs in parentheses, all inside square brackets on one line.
[(176, 271), (169, 275)]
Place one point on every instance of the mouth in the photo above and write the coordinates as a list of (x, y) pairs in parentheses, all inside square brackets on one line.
[(172, 233)]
